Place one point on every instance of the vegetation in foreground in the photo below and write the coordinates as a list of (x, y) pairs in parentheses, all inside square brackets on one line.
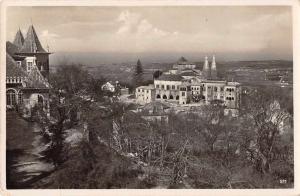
[(194, 150)]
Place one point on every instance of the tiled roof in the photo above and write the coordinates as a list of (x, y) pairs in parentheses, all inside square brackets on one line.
[(32, 43), (19, 39), (152, 104), (11, 48), (149, 87), (170, 77), (12, 69), (189, 74)]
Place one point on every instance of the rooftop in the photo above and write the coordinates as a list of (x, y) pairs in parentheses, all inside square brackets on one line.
[(12, 69), (170, 77), (151, 86), (233, 83), (11, 48), (32, 43), (19, 39)]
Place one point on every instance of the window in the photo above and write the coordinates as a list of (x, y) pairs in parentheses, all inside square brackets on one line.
[(19, 63), (20, 97), (222, 88), (177, 97), (173, 87), (162, 86), (221, 97), (178, 87), (168, 87), (164, 97), (29, 66), (171, 97), (183, 93), (10, 97), (158, 96), (216, 89), (139, 90), (157, 86), (192, 88)]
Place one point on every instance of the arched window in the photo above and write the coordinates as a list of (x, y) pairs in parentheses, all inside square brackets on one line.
[(164, 97), (158, 96), (11, 97), (177, 97), (171, 97)]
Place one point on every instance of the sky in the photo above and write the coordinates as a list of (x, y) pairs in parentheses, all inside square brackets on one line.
[(229, 32)]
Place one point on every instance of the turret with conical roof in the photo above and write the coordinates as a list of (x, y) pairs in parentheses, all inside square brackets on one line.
[(213, 68), (19, 40), (32, 47), (206, 70), (32, 43)]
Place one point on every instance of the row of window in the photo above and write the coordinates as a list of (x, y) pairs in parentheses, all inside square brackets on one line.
[(195, 88), (165, 97), (168, 87), (216, 88), (30, 66), (230, 89), (142, 90), (230, 98)]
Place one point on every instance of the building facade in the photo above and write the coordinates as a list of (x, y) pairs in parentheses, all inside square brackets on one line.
[(27, 73), (145, 94), (188, 85)]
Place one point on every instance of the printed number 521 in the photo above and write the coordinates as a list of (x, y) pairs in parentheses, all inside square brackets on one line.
[(282, 181)]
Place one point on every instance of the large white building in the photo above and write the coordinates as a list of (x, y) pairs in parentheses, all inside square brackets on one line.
[(184, 84)]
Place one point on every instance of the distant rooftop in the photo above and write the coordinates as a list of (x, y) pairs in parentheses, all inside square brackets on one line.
[(149, 87), (170, 77)]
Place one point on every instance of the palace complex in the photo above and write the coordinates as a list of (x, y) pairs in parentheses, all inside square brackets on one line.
[(186, 85)]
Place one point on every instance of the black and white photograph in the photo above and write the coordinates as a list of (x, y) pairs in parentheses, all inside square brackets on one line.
[(149, 97)]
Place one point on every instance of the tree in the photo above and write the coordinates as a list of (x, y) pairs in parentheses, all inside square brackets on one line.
[(70, 78), (211, 124), (262, 108), (138, 74), (157, 73)]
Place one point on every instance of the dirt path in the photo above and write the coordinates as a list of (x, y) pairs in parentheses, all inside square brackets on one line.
[(23, 147)]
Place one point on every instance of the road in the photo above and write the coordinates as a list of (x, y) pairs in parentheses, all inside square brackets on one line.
[(24, 144)]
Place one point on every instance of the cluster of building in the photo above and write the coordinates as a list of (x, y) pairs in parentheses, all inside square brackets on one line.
[(115, 87), (184, 84), (27, 73)]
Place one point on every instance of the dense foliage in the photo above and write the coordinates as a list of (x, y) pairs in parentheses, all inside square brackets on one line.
[(196, 149)]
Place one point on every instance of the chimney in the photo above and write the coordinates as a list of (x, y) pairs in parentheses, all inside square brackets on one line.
[(213, 68), (206, 70)]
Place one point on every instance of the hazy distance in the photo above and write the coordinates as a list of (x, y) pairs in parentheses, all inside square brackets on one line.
[(99, 35)]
